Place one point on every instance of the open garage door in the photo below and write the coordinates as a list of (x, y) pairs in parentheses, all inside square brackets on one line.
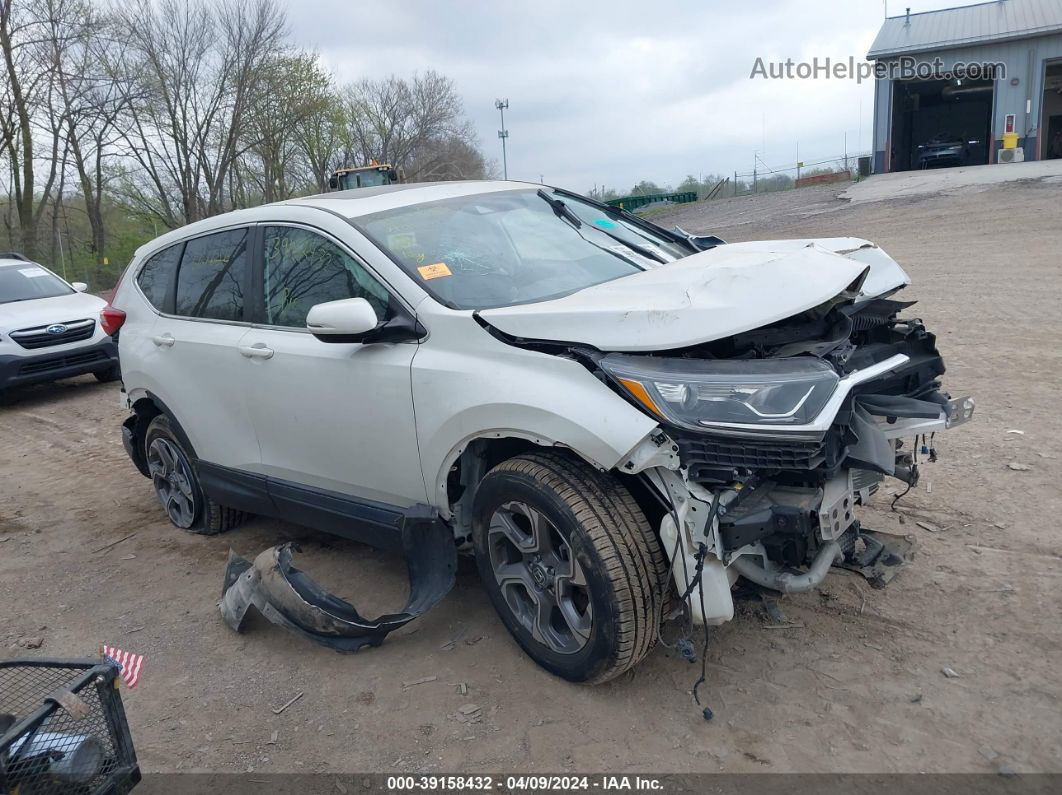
[(1051, 112), (937, 123)]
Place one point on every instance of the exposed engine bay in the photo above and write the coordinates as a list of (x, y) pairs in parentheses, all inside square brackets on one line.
[(780, 502), (770, 438)]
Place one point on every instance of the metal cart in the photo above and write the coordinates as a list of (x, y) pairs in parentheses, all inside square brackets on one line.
[(63, 729)]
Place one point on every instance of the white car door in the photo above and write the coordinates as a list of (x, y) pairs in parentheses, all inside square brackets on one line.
[(334, 421), (193, 356)]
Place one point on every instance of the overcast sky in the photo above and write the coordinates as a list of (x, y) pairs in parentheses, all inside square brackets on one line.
[(609, 93)]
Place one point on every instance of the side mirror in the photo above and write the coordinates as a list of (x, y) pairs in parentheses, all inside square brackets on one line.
[(79, 286), (347, 320)]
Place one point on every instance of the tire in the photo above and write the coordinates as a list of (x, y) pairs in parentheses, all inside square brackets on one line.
[(176, 482), (112, 373), (588, 614)]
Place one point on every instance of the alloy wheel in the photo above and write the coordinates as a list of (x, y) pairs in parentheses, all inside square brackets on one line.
[(540, 579), (172, 476)]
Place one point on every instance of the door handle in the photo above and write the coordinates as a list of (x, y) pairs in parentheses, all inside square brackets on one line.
[(164, 341), (256, 351)]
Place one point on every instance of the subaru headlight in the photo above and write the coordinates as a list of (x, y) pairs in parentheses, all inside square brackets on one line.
[(695, 393)]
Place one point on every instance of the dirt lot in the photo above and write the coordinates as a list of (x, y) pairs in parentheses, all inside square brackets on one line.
[(855, 685)]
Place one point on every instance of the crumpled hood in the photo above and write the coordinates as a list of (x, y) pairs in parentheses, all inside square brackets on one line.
[(45, 311), (707, 296)]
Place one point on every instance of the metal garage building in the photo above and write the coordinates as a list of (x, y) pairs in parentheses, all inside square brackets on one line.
[(917, 119)]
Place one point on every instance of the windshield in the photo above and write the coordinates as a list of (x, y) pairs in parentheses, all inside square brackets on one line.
[(512, 247), (363, 179), (27, 281), (369, 179)]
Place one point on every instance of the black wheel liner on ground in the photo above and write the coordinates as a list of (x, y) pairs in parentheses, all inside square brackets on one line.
[(288, 598), (78, 698)]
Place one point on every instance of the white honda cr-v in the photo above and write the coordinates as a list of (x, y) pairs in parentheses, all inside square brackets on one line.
[(613, 417)]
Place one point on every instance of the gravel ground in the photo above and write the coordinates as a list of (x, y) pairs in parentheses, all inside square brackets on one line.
[(855, 684)]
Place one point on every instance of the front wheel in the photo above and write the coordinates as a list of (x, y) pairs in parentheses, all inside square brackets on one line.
[(571, 565)]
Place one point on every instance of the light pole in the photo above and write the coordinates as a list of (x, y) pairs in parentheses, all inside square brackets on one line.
[(502, 105)]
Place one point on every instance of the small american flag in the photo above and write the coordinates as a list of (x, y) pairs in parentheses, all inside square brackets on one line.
[(129, 664)]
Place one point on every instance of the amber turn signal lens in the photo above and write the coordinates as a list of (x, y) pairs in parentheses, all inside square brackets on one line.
[(641, 395)]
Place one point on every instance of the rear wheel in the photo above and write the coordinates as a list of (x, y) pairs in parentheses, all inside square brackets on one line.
[(177, 484), (571, 565)]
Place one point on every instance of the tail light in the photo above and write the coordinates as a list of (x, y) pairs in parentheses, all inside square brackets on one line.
[(111, 319)]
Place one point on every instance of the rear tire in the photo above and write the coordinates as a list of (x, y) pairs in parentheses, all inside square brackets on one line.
[(587, 614), (176, 482)]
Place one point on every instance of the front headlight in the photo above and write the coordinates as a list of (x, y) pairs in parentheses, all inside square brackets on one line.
[(695, 393)]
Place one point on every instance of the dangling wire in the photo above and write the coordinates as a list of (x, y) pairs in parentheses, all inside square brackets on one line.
[(704, 648), (702, 550), (684, 644), (914, 465), (677, 646), (900, 496)]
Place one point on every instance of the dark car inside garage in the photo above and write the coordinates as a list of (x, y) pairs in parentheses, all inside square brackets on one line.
[(939, 123)]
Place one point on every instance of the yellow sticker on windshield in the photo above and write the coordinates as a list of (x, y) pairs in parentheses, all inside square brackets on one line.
[(433, 271)]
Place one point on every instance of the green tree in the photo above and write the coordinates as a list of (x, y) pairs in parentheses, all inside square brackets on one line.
[(645, 188)]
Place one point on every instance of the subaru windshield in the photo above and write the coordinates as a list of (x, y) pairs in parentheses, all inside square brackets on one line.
[(27, 281), (514, 247)]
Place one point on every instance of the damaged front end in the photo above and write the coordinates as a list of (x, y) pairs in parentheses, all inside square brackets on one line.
[(774, 436)]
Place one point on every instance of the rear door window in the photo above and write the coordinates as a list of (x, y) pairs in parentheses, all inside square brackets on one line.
[(303, 269), (212, 280), (156, 277)]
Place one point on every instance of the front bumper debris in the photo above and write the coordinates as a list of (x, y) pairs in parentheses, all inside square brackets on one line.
[(881, 557), (288, 598)]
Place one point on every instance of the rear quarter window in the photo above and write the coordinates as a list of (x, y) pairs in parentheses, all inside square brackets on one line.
[(156, 277)]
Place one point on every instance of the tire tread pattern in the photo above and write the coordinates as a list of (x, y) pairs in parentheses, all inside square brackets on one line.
[(217, 518), (620, 534)]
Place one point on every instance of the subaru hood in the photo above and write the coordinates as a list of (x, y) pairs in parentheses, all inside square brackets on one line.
[(45, 311), (706, 296)]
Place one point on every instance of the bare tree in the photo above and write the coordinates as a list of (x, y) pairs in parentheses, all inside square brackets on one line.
[(324, 140), (254, 31), (449, 157), (398, 121), (293, 110), (192, 76), (27, 50), (84, 46), (181, 109)]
